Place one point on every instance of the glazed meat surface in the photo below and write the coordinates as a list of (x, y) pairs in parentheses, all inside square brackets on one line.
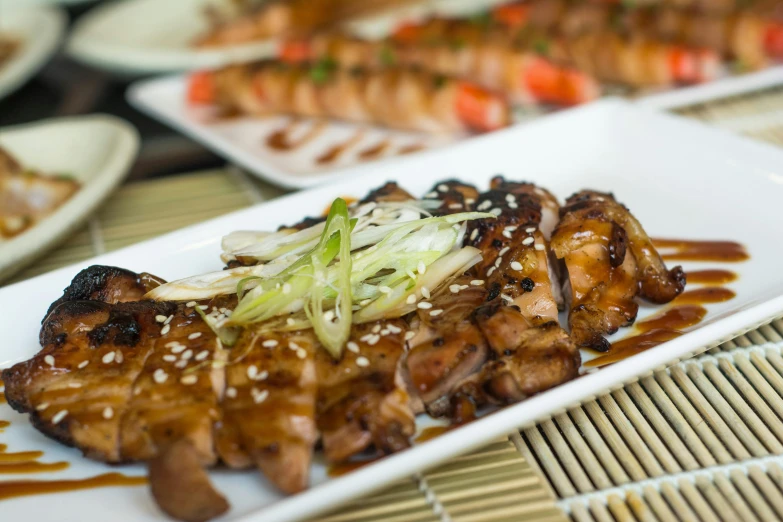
[(610, 260)]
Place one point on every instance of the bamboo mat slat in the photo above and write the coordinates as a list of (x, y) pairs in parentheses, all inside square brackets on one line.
[(701, 440)]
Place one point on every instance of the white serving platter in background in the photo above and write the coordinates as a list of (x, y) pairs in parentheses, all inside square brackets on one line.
[(96, 150), (242, 140), (681, 179), (40, 30), (132, 37)]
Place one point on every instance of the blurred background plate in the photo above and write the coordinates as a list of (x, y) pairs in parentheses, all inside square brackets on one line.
[(39, 30), (132, 37), (107, 148)]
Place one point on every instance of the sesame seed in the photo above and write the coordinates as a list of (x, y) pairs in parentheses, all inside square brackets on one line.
[(503, 251), (290, 321), (231, 392), (498, 261), (528, 241), (443, 187), (393, 329), (202, 355), (411, 299), (286, 288), (49, 360), (425, 292), (454, 289), (108, 413), (530, 230), (421, 267), (384, 289), (484, 205), (376, 328), (409, 335), (42, 406), (203, 307), (352, 347), (187, 354), (262, 376), (118, 357), (435, 313), (539, 247), (160, 376), (160, 318), (455, 206), (362, 361), (194, 335), (510, 228), (431, 195), (424, 305), (301, 353), (191, 304), (507, 234), (516, 265), (470, 201), (374, 338), (165, 329), (74, 385), (83, 364), (269, 343), (496, 211), (171, 344), (513, 205), (178, 348), (259, 396), (59, 416), (506, 298), (292, 345), (168, 319), (474, 234), (180, 364), (252, 372), (477, 282), (510, 198), (328, 315), (109, 358), (169, 358), (187, 380), (489, 272)]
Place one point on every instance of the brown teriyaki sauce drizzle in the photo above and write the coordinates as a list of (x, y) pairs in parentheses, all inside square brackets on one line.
[(281, 139), (333, 153), (687, 309), (27, 462)]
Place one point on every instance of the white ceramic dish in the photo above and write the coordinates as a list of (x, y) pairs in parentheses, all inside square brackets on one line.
[(40, 30), (96, 150), (243, 140), (133, 37), (679, 178)]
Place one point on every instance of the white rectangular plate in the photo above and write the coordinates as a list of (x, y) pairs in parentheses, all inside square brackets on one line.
[(681, 179)]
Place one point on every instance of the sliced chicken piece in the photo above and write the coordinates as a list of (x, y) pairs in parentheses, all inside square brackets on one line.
[(447, 347), (515, 264), (362, 398), (78, 387), (610, 260), (269, 406), (388, 192)]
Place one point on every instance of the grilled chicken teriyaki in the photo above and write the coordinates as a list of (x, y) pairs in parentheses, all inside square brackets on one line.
[(128, 379), (610, 260)]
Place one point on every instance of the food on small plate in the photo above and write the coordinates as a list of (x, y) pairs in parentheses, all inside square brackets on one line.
[(599, 53), (8, 48), (257, 20), (523, 76), (750, 36), (395, 97), (27, 196), (331, 334)]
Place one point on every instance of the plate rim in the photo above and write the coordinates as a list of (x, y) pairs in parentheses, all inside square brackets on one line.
[(79, 208), (30, 61), (375, 476)]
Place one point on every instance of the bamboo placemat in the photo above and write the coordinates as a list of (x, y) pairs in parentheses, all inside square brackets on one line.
[(702, 440)]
